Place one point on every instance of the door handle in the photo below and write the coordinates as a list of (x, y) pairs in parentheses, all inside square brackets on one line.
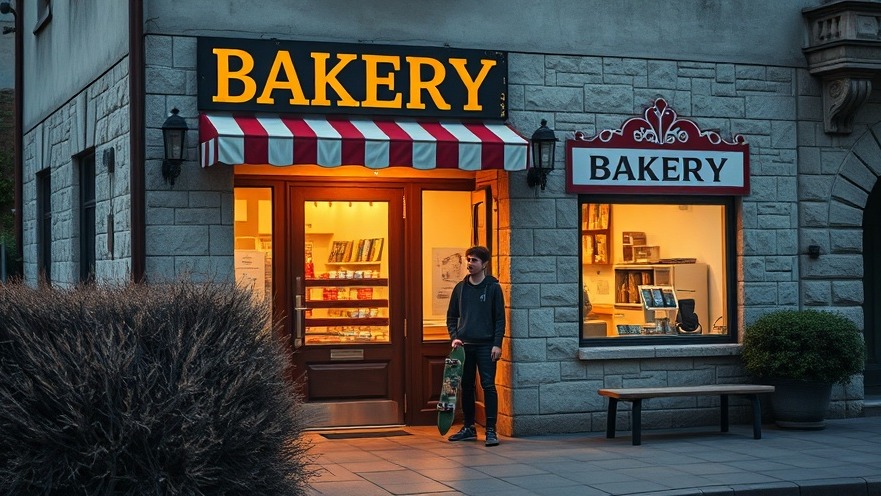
[(299, 313)]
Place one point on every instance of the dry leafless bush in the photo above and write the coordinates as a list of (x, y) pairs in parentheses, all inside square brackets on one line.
[(173, 389)]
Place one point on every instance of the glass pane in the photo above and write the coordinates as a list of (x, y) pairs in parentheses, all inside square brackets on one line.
[(443, 255), (252, 212), (666, 265), (347, 270)]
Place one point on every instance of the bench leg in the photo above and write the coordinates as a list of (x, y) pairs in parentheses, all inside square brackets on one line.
[(637, 422), (724, 399), (757, 416), (610, 418)]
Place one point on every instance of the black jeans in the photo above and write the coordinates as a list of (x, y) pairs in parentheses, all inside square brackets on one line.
[(478, 359)]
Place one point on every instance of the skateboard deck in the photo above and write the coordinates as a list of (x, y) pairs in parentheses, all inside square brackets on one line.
[(446, 405)]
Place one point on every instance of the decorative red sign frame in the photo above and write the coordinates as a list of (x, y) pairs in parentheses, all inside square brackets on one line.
[(657, 154)]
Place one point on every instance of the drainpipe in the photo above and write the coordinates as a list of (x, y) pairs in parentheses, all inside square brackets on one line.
[(17, 110), (136, 139)]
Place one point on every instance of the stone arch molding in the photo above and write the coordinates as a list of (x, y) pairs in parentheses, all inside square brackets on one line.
[(832, 209), (856, 177)]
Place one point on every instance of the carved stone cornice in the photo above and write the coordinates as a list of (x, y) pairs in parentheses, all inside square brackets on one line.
[(844, 51)]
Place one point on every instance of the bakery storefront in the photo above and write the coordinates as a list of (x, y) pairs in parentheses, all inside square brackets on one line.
[(657, 202), (362, 173)]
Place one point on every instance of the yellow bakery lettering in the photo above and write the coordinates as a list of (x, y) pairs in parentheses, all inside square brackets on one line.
[(224, 74), (417, 85), (472, 85), (324, 78), (374, 80), (291, 82), (330, 79)]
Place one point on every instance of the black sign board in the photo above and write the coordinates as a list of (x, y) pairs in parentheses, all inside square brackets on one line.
[(340, 78)]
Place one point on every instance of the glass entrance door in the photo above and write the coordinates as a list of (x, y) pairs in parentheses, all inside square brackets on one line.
[(348, 316), (440, 267)]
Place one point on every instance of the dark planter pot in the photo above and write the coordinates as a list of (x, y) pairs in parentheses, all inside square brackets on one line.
[(800, 404)]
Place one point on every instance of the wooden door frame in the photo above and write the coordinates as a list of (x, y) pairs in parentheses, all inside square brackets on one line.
[(417, 350), (283, 253)]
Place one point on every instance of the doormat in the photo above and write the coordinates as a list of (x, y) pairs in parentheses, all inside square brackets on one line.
[(357, 435)]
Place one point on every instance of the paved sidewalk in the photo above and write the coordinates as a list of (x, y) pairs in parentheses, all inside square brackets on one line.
[(842, 460)]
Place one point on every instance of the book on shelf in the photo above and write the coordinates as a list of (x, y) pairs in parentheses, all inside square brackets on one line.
[(347, 257), (603, 222), (334, 248), (601, 254), (365, 255), (360, 252), (377, 249)]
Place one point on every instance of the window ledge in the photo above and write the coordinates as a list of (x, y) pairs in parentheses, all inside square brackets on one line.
[(630, 352)]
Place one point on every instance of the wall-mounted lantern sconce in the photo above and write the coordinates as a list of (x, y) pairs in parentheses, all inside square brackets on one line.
[(174, 133), (544, 143), (110, 160)]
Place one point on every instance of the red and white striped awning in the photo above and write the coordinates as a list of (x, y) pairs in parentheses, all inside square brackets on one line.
[(331, 141)]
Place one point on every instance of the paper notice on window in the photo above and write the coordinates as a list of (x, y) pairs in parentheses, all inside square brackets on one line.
[(250, 267), (448, 268)]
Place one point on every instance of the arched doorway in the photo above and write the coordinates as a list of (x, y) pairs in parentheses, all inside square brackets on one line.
[(872, 290)]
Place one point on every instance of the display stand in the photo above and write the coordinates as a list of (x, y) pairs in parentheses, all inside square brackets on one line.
[(660, 307)]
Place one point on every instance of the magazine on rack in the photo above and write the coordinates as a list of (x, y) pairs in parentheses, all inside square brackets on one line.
[(658, 297)]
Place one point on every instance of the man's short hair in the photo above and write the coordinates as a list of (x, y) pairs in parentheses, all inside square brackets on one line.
[(480, 252)]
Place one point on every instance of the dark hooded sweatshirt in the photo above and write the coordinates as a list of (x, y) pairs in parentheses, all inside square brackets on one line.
[(476, 314)]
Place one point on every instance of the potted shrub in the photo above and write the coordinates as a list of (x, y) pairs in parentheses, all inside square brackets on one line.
[(803, 353)]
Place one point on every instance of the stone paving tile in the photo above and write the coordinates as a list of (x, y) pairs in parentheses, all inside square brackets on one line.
[(630, 486), (510, 469), (417, 488), (577, 490), (517, 491), (361, 488), (396, 477), (372, 466), (479, 459), (538, 481), (348, 456), (458, 473), (485, 485), (689, 464), (803, 474), (707, 468), (334, 473), (615, 464), (740, 478), (590, 476), (426, 461)]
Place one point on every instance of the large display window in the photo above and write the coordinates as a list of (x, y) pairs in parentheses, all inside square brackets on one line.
[(252, 215), (657, 271)]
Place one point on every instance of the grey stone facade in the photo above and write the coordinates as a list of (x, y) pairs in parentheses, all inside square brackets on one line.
[(551, 387), (808, 187), (190, 223), (95, 119)]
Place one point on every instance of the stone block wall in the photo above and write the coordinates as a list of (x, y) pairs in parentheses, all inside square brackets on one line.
[(96, 119), (190, 223), (552, 383), (836, 175)]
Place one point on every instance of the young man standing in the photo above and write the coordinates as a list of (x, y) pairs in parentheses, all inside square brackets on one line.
[(476, 320)]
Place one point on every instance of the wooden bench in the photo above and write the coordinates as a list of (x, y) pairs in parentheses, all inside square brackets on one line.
[(636, 395)]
